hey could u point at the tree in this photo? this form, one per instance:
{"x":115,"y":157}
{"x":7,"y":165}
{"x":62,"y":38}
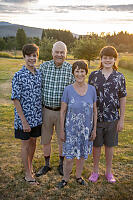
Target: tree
{"x":88,"y":49}
{"x":59,"y":35}
{"x":20,"y":38}
{"x":2,"y":44}
{"x":46,"y":49}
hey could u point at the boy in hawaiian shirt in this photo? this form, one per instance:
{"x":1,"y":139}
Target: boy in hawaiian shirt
{"x":26,"y":95}
{"x":111,"y":97}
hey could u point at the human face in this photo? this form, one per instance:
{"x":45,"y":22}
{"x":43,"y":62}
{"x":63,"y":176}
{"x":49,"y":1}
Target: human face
{"x":59,"y":54}
{"x":107,"y":61}
{"x":79,"y":75}
{"x":30,"y":60}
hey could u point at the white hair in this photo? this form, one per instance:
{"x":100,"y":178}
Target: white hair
{"x":59,"y":43}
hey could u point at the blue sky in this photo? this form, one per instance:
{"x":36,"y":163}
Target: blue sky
{"x":78,"y":16}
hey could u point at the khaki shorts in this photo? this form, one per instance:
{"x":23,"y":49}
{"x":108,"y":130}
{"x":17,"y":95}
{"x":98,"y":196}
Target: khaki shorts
{"x":51,"y":121}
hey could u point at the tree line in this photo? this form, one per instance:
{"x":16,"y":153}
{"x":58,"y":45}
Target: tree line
{"x":83,"y":47}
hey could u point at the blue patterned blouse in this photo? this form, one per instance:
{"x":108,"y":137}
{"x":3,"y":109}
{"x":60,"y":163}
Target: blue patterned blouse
{"x":26,"y":87}
{"x":109,"y":92}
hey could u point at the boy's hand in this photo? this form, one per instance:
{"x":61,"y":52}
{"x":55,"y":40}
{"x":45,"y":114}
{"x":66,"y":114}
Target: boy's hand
{"x":93,"y":135}
{"x":62,"y":136}
{"x":26,"y":127}
{"x":120,"y":125}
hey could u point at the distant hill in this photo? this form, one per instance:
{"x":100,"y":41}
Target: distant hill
{"x":8,"y":29}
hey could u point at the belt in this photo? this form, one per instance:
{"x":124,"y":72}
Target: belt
{"x":54,"y":109}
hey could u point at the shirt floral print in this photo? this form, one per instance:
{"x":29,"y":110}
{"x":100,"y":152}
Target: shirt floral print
{"x":109,"y":91}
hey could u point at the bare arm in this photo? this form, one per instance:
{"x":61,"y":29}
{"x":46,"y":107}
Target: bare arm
{"x":93,"y":134}
{"x":120,"y":124}
{"x":26,"y":127}
{"x":62,"y":120}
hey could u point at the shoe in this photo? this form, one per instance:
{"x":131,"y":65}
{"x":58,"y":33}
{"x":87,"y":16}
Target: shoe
{"x":32,"y":182}
{"x":81,"y":181}
{"x":60,"y":169}
{"x":110,"y":178}
{"x":43,"y":171}
{"x":62,"y":184}
{"x":94,"y":176}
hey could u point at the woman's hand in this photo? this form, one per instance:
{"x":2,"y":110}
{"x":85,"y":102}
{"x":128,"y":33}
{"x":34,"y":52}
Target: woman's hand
{"x":93,"y":135}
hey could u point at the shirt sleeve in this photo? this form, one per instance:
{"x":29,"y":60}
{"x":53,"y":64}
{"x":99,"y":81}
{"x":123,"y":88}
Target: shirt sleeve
{"x":95,"y":95}
{"x":65,"y":95}
{"x":122,"y":91}
{"x":42,"y":77}
{"x":16,"y":87}
{"x":90,"y":78}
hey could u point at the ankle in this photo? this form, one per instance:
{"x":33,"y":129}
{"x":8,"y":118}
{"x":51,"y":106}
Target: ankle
{"x":47,"y":158}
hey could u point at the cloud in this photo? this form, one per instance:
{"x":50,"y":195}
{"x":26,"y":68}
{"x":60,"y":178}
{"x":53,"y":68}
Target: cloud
{"x":62,"y":9}
{"x":17,"y":1}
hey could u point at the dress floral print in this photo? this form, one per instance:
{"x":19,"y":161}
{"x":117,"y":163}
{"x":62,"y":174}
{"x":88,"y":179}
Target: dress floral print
{"x":78,"y":122}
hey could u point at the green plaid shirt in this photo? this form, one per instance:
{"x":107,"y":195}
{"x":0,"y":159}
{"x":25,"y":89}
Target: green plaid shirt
{"x":54,"y":80}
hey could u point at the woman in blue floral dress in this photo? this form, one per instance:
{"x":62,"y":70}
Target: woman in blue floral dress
{"x":78,"y":122}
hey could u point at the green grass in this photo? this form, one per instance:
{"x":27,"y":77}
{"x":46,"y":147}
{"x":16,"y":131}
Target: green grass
{"x":12,"y":185}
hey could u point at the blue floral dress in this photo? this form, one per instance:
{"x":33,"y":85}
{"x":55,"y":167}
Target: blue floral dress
{"x":78,"y":122}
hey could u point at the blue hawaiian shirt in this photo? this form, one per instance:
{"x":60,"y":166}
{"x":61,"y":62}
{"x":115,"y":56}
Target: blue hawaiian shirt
{"x":26,"y":87}
{"x":109,"y":91}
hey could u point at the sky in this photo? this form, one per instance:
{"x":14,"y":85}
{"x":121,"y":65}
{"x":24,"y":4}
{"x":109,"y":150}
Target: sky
{"x":78,"y":16}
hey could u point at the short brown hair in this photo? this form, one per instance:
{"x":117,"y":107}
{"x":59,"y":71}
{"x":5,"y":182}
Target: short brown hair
{"x":80,"y":65}
{"x":29,"y":49}
{"x":109,"y":51}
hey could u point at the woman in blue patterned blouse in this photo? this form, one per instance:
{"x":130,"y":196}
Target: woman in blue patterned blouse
{"x":78,"y":118}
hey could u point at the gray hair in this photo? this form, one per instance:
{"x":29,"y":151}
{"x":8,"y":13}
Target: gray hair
{"x":59,"y":43}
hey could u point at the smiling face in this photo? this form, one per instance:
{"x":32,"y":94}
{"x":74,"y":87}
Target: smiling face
{"x":30,"y":60}
{"x":107,"y":61}
{"x":79,"y":75}
{"x":59,"y":53}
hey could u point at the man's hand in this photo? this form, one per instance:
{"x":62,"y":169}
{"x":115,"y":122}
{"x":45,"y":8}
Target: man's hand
{"x":62,"y":136}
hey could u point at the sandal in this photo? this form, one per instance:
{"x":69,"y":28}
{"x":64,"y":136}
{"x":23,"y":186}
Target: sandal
{"x":110,"y":178}
{"x":81,"y":181}
{"x":62,"y":184}
{"x":32,"y":182}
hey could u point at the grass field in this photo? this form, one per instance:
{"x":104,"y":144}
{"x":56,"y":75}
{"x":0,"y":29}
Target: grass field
{"x":12,"y":184}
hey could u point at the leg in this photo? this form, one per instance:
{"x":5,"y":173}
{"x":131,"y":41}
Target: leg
{"x":79,"y":167}
{"x":32,"y":148}
{"x":67,"y":168}
{"x":109,"y":156}
{"x":25,"y":158}
{"x":96,"y":158}
{"x":46,"y":168}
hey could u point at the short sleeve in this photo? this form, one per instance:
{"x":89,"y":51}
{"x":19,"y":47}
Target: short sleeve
{"x":90,"y":77}
{"x":65,"y":95}
{"x":16,"y":87}
{"x":122,"y":92}
{"x":95,"y":95}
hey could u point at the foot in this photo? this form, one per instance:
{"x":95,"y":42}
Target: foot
{"x":62,"y":184}
{"x":110,"y":178}
{"x":31,"y":181}
{"x":43,"y":171}
{"x":81,"y":181}
{"x":94,"y":177}
{"x":60,"y":169}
